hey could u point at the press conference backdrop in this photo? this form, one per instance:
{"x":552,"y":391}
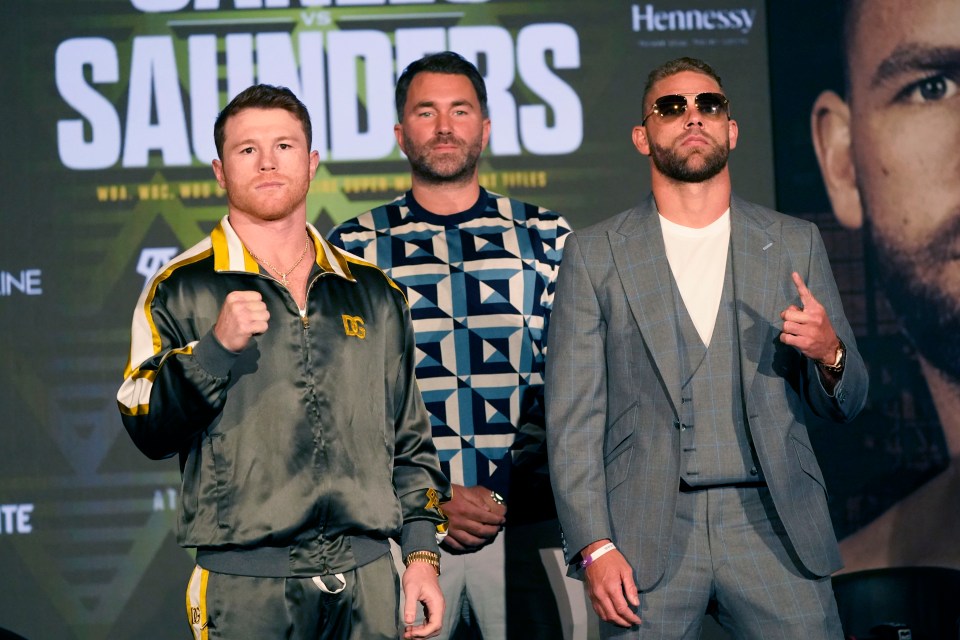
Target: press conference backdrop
{"x":107,"y":115}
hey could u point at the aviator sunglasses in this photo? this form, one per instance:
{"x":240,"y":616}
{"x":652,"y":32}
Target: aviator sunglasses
{"x":670,"y":106}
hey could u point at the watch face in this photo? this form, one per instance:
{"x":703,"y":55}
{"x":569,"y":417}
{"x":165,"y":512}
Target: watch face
{"x":838,"y":360}
{"x":837,"y":364}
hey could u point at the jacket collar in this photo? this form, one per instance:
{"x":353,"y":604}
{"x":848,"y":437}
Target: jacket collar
{"x":229,"y":253}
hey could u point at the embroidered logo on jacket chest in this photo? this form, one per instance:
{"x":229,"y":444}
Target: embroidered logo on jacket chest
{"x":353,"y":326}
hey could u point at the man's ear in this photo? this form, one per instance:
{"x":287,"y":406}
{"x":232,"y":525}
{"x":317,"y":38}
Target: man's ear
{"x":218,"y":173}
{"x":640,"y":139}
{"x":830,"y":126}
{"x":733,"y":133}
{"x":398,"y":134}
{"x":314,"y":163}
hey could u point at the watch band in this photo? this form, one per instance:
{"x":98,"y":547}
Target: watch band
{"x":429,"y":557}
{"x":837,"y":365}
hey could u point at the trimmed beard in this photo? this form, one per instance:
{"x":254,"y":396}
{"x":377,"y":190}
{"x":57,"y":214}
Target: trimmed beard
{"x":446,"y":170}
{"x":678,"y":168}
{"x":928,"y":312}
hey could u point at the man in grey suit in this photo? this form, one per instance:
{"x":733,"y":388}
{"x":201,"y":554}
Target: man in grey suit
{"x":688,"y":336}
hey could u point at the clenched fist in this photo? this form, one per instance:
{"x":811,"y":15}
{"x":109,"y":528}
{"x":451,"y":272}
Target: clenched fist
{"x":243,"y":315}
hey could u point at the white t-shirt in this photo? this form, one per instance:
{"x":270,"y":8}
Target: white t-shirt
{"x":698,"y":260}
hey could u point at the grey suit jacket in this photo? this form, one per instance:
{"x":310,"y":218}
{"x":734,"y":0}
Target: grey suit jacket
{"x":613,"y":383}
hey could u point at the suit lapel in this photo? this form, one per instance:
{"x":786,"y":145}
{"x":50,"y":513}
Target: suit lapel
{"x":641,"y":259}
{"x":757,"y":251}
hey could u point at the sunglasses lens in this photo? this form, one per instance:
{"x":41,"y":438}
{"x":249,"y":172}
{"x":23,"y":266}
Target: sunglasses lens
{"x":670,"y":105}
{"x":711,"y":103}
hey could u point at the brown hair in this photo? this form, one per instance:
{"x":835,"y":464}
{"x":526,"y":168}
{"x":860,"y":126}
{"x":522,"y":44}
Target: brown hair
{"x":673,"y":67}
{"x":262,"y":96}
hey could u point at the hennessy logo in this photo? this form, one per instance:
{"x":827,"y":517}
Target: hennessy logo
{"x":650,"y":20}
{"x":353,"y":326}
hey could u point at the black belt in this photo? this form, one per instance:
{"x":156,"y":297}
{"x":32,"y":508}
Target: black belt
{"x":689,"y":488}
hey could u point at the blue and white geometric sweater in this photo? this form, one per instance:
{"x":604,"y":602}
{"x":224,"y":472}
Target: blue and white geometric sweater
{"x":480,"y":285}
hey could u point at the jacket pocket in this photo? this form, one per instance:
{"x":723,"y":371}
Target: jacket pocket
{"x":808,"y":461}
{"x":618,"y":448}
{"x":220,"y":475}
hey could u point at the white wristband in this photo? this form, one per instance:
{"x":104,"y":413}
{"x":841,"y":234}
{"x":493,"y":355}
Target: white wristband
{"x":590,"y":559}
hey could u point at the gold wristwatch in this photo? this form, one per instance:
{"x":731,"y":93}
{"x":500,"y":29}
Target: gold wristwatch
{"x":838,"y":361}
{"x":429,"y":557}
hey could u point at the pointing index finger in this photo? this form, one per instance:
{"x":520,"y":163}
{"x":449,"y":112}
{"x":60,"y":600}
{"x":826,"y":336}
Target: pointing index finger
{"x":805,"y":295}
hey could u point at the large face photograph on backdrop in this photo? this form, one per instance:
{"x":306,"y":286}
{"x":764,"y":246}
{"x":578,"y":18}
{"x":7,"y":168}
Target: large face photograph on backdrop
{"x":866,"y":148}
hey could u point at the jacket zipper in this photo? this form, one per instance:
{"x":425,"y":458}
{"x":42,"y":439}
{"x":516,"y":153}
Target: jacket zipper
{"x":304,"y":318}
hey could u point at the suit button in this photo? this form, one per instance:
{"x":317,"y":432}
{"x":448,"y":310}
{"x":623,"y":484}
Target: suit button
{"x":753,"y":471}
{"x":841,"y":395}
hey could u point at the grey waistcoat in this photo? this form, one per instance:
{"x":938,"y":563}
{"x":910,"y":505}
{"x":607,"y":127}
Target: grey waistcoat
{"x":715,"y":445}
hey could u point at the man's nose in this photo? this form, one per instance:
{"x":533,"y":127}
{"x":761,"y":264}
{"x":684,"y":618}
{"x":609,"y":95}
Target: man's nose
{"x":268,"y":161}
{"x":691,"y":117}
{"x":444,"y":123}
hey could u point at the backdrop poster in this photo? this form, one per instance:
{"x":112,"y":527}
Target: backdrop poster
{"x":108,"y":118}
{"x":891,"y":473}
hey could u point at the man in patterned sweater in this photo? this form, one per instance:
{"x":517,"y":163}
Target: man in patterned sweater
{"x":479,"y":271}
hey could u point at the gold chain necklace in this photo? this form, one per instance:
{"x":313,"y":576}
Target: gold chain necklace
{"x":283,"y":274}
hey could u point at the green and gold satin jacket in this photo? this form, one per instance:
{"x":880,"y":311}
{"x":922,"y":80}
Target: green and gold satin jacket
{"x":304,"y":453}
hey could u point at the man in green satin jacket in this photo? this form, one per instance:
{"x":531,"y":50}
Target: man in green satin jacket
{"x":281,"y":371}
